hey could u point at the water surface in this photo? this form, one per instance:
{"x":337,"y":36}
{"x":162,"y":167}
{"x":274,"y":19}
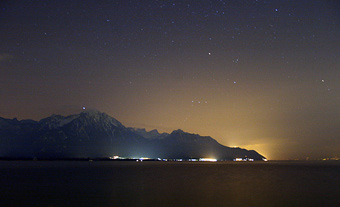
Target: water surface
{"x":80,"y":183}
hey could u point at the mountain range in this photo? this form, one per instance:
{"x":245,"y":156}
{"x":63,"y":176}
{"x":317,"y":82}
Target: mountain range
{"x":96,"y":134}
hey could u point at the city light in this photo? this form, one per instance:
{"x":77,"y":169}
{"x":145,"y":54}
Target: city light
{"x":207,"y":160}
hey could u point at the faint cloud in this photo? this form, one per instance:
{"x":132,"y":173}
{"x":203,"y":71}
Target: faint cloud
{"x":5,"y":57}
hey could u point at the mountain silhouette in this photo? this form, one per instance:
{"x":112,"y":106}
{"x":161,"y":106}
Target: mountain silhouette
{"x":96,"y":134}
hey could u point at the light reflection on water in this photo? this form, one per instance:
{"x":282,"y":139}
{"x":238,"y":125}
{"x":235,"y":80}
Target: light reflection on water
{"x":77,"y":183}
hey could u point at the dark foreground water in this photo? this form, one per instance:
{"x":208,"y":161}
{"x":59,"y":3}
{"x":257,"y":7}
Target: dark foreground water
{"x":80,"y":183}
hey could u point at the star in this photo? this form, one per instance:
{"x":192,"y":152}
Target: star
{"x":236,"y":60}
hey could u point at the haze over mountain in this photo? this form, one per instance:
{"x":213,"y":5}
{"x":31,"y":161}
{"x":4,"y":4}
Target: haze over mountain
{"x":95,"y":134}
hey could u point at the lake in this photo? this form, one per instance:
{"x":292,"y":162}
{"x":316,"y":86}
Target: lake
{"x":104,"y":183}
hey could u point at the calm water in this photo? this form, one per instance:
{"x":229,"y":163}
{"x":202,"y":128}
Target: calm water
{"x":79,"y":183}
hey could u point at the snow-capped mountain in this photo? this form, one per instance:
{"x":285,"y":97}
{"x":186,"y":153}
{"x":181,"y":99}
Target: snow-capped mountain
{"x":96,"y":134}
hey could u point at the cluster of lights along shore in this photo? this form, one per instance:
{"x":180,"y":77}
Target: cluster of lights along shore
{"x":141,"y":159}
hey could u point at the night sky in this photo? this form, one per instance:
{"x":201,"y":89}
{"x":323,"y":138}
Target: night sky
{"x":262,"y":75}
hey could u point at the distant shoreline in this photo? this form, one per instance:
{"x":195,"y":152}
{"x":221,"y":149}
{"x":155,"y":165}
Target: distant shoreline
{"x":157,"y":160}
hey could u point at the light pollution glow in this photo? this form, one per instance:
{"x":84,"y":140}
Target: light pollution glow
{"x":260,"y":75}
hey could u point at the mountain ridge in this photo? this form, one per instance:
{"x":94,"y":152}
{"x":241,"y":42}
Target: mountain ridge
{"x":96,"y":134}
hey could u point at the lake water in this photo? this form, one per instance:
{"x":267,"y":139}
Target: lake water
{"x":81,"y":183}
